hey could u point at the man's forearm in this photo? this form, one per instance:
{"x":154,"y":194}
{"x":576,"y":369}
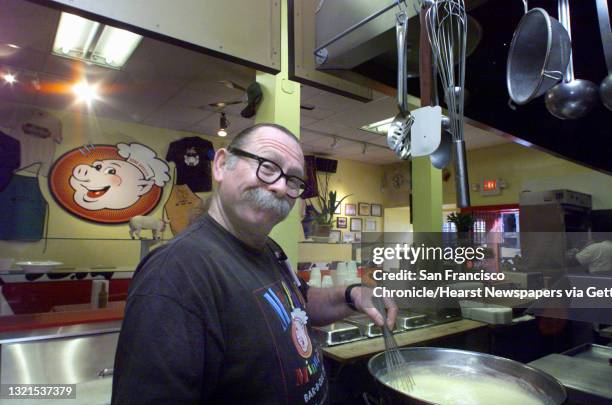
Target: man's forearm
{"x":327,"y":305}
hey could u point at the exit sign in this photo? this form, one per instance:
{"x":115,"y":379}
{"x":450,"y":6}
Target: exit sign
{"x":490,"y":187}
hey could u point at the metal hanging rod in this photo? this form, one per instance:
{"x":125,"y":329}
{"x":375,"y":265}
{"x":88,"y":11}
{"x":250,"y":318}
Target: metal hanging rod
{"x":359,"y":24}
{"x":344,"y":138}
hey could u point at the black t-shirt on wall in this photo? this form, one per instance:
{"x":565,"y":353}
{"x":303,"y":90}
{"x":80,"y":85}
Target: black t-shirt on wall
{"x":192,"y":157}
{"x":210,"y":320}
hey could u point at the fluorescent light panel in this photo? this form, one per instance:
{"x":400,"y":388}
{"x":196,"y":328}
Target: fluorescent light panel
{"x":380,"y":127}
{"x":90,"y":41}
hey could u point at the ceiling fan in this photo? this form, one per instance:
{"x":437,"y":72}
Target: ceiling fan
{"x":252,"y":97}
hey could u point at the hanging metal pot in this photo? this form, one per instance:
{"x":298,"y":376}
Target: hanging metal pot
{"x":572,"y":98}
{"x":538,"y":57}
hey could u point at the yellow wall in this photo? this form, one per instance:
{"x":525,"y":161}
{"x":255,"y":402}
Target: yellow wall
{"x":364,"y":182}
{"x":324,"y":252}
{"x":529,"y":169}
{"x":64,"y":228}
{"x":398,"y":219}
{"x":361,"y":180}
{"x":396,"y":185}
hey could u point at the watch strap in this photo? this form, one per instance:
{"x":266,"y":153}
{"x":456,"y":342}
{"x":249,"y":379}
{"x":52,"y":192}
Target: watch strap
{"x":347,"y":296}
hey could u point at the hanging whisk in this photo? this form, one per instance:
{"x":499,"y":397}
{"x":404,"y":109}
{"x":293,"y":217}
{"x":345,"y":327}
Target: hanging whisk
{"x":398,"y":374}
{"x":447,"y":32}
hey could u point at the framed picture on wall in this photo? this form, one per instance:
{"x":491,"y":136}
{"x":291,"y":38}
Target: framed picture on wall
{"x":335,"y":236}
{"x":356,"y":224}
{"x":364,"y":209}
{"x":338,"y":210}
{"x":341,"y":222}
{"x":370,"y":225}
{"x":350,"y":209}
{"x":347,"y":237}
{"x":376,"y":210}
{"x":356,"y":237}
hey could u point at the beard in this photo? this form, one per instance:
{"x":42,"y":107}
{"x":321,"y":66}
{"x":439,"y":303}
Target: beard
{"x":266,"y":200}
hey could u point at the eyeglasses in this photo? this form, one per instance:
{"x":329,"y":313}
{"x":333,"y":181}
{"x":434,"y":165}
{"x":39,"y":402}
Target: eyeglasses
{"x":270,"y":172}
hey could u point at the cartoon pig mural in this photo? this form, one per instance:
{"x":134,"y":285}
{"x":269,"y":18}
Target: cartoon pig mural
{"x":118,"y":184}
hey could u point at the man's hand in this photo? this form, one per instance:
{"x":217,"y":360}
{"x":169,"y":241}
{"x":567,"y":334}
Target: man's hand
{"x":362,"y":298}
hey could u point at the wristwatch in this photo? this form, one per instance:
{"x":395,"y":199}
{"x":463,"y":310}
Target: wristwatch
{"x":347,"y":296}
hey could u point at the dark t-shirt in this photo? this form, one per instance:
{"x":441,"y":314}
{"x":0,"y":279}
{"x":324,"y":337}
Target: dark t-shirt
{"x":9,"y":158}
{"x":192,"y":157}
{"x":210,"y":320}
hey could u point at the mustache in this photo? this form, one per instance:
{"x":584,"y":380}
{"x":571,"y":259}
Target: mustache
{"x":266,"y":200}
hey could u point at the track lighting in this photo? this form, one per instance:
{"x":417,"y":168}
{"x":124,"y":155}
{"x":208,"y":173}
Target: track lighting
{"x":223,"y":124}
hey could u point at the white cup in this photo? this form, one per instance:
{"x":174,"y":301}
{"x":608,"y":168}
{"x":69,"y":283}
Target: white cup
{"x":315,"y":277}
{"x":352,"y":268}
{"x":327,"y":282}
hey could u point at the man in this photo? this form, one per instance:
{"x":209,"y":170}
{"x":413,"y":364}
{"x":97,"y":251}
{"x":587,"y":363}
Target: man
{"x":216,"y":316}
{"x":596,"y":255}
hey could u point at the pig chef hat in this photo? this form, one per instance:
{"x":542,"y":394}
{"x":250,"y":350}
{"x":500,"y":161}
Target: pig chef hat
{"x":146,"y":161}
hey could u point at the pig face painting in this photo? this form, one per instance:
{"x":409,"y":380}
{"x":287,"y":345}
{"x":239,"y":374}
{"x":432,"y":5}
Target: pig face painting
{"x":299,"y":333}
{"x":113,"y":184}
{"x":109,"y":183}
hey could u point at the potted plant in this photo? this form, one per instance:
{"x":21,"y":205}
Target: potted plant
{"x":328,"y":203}
{"x":463,"y":222}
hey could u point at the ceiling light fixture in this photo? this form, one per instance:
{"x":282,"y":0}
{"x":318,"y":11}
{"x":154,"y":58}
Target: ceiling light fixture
{"x":85,"y":92}
{"x":90,"y":41}
{"x":9,"y":78}
{"x":13,"y":46}
{"x":223,"y":124}
{"x":334,"y":143}
{"x":379,"y":127}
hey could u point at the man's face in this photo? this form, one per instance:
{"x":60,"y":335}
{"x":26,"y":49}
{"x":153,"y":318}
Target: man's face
{"x":248,"y":200}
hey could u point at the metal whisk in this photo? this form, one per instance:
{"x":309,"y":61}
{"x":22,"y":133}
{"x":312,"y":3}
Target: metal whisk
{"x":447,"y":32}
{"x":398,"y":372}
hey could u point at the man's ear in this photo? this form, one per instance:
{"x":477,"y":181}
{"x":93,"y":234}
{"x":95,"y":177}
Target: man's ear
{"x":144,"y":186}
{"x":220,"y":163}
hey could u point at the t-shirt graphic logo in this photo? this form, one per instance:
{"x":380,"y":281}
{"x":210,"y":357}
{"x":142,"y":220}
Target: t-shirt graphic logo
{"x":300,"y":359}
{"x":191,"y":157}
{"x":299,"y":333}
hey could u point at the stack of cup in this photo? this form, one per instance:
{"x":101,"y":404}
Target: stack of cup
{"x":327,"y":282}
{"x":340,"y":274}
{"x":315,"y":277}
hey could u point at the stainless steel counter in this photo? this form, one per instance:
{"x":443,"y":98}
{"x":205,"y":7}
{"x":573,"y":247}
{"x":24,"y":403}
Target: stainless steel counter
{"x":584,"y":371}
{"x":77,"y":354}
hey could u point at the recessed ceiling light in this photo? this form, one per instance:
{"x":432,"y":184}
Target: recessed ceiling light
{"x":85,"y":92}
{"x":9,"y":78}
{"x":92,"y":42}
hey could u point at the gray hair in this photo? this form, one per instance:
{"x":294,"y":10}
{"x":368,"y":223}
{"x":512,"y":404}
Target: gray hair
{"x":242,"y":138}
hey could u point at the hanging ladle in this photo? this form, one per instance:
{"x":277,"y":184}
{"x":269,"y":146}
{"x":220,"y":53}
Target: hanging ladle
{"x":572,"y":98}
{"x":605,"y":89}
{"x":398,"y":134}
